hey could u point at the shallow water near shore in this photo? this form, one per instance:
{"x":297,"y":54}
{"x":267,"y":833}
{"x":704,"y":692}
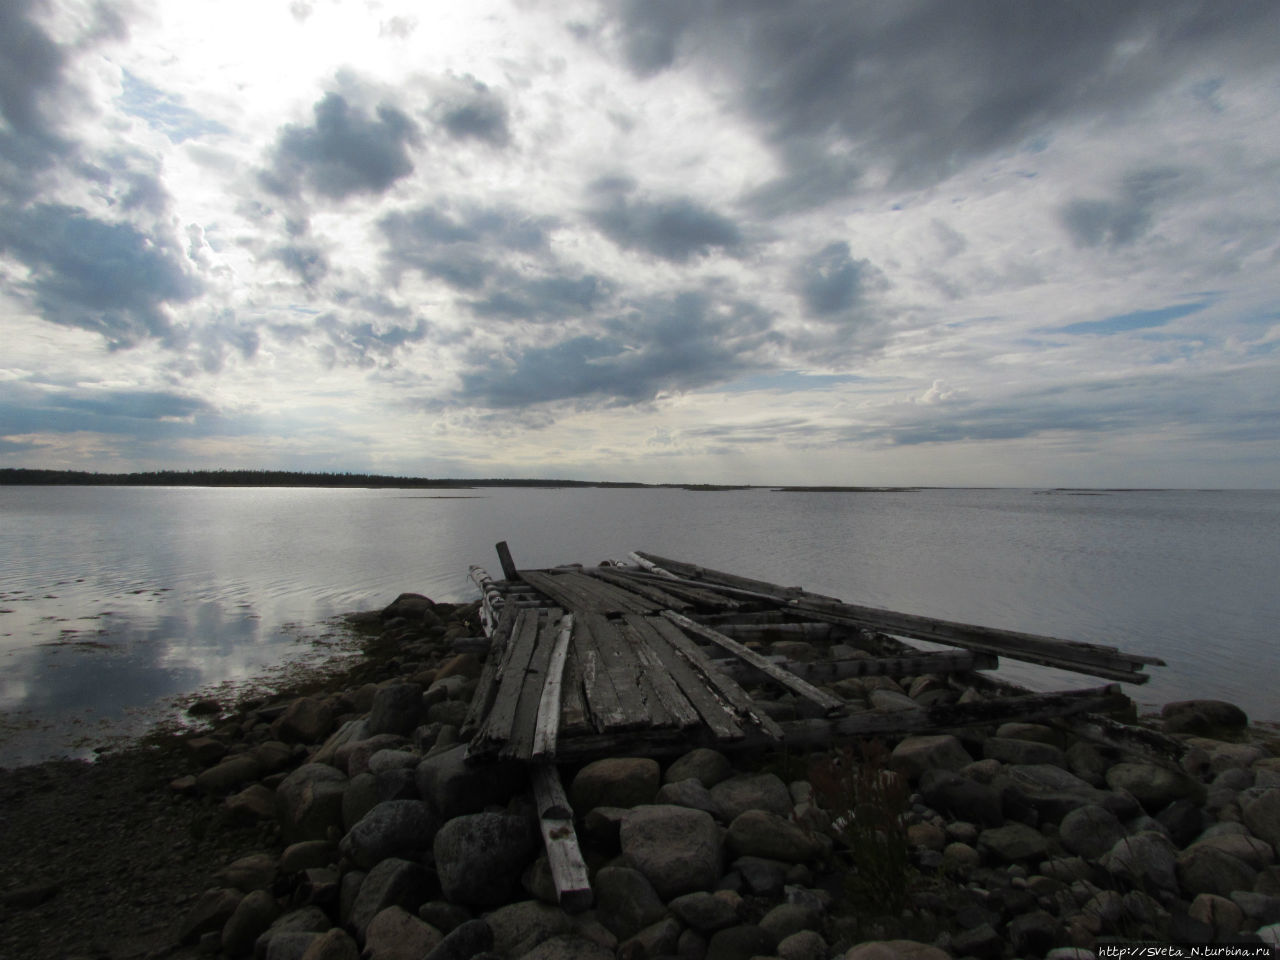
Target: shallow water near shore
{"x":113,"y":599}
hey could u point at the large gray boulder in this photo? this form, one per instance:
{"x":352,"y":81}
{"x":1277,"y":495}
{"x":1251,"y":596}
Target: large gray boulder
{"x":1012,"y":843}
{"x":961,"y":797}
{"x":758,"y":833}
{"x":1145,"y":860}
{"x":1155,"y":787}
{"x":453,"y":787}
{"x":403,"y":828}
{"x":392,"y":883}
{"x":615,"y":782}
{"x":761,"y":791}
{"x":309,"y":802}
{"x":676,"y":848}
{"x":1051,"y":790}
{"x":396,"y":934}
{"x":397,"y":708}
{"x":1090,"y":831}
{"x":1203,"y":717}
{"x":481,"y":856}
{"x":1262,"y":817}
{"x":626,"y":902}
{"x":914,"y":755}
{"x":1206,"y":869}
{"x":703,"y":764}
{"x":521,"y":926}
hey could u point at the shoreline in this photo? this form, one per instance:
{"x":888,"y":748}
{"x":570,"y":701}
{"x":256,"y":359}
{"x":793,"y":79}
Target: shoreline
{"x":264,"y":817}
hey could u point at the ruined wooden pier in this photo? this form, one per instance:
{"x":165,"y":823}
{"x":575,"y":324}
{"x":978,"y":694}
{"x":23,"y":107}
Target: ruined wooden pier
{"x":656,"y":656}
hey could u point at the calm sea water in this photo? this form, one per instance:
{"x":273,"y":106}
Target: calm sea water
{"x":113,"y":599}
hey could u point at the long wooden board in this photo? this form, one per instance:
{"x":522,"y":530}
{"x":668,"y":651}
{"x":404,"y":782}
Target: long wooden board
{"x":581,"y":593}
{"x":826,"y":671}
{"x":496,"y":729}
{"x":624,"y":670}
{"x":1089,"y":658}
{"x":657,"y":682}
{"x":715,"y":713}
{"x":725,"y":686}
{"x":792,"y":682}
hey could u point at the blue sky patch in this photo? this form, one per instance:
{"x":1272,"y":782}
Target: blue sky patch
{"x":1138,"y":320}
{"x":163,"y":112}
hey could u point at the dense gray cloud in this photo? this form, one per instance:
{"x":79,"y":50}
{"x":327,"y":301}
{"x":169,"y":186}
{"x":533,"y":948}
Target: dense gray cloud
{"x":31,"y":75}
{"x":107,"y":277}
{"x":923,"y":89}
{"x":555,"y":297}
{"x":459,"y":247}
{"x":306,"y":261}
{"x":1123,"y":219}
{"x":345,"y":151}
{"x":662,"y":344}
{"x":472,"y":111}
{"x":138,"y":413}
{"x":831,"y":282}
{"x":674,"y":228}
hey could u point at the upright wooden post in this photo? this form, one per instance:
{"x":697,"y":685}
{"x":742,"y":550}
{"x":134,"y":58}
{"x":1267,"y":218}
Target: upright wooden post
{"x":509,"y":571}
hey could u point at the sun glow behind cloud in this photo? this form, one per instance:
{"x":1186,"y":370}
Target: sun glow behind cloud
{"x":827,"y":243}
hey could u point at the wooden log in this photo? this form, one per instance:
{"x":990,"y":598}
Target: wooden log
{"x":491,"y":598}
{"x":547,"y":729}
{"x":509,"y":569}
{"x":685,"y":589}
{"x":806,"y":630}
{"x":790,"y":681}
{"x":725,"y":687}
{"x":555,"y":820}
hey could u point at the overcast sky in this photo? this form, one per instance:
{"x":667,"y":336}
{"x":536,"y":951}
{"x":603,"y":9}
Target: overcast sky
{"x":942,"y":242}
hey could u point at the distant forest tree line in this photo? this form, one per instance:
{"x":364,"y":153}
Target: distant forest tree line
{"x":271,"y":478}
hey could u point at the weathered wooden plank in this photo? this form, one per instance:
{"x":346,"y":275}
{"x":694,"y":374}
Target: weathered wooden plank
{"x":656,"y":595}
{"x":597,"y":682}
{"x":574,"y":717}
{"x":775,"y":673}
{"x":1074,"y":655}
{"x":547,"y":728}
{"x":582,"y":593}
{"x":825,"y":671}
{"x":695,"y":594}
{"x":501,"y":716}
{"x":695,"y":572}
{"x":727,"y":689}
{"x":624,"y":669}
{"x":509,"y":569}
{"x":657,"y":681}
{"x":520,"y":745}
{"x":487,"y":685}
{"x":555,"y":819}
{"x":714,"y":711}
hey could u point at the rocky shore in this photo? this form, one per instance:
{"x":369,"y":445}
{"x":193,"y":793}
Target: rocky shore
{"x":343,"y":823}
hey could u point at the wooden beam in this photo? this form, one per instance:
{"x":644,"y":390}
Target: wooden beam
{"x":723,"y":686}
{"x":795,"y":684}
{"x":555,"y":819}
{"x":695,"y":572}
{"x":509,"y":569}
{"x":826,"y":671}
{"x":548,"y":723}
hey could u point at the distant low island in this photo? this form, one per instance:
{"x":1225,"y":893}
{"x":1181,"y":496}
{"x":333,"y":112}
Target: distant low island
{"x":293,"y":478}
